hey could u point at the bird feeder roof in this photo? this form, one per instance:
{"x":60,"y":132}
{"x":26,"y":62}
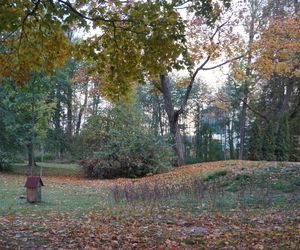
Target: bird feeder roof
{"x":33,"y":182}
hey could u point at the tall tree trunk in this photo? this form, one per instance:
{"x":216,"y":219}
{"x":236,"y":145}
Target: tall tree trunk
{"x":230,"y":138}
{"x":155,"y":115}
{"x":287,"y":94}
{"x":30,"y":145}
{"x":82,"y":109}
{"x":173,"y":119}
{"x":30,"y":155}
{"x":247,"y":82}
{"x":58,"y":152}
{"x":198,"y":136}
{"x":96,"y":101}
{"x":174,"y":129}
{"x":56,"y":121}
{"x":225,"y":138}
{"x":161,"y":126}
{"x":69,"y":121}
{"x":243,"y":126}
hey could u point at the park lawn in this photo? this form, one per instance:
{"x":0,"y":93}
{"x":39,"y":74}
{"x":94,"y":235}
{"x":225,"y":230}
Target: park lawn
{"x":49,"y":169}
{"x":232,"y":204}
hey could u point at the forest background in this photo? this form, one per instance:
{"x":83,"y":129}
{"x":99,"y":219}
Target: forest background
{"x":128,"y":100}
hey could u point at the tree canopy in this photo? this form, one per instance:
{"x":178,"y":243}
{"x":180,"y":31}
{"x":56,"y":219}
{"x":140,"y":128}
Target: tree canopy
{"x":137,"y":38}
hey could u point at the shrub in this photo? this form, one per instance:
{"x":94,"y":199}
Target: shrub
{"x":4,"y":161}
{"x":283,"y":186}
{"x":239,"y":182}
{"x":100,"y":168}
{"x":296,"y":181}
{"x":216,"y":175}
{"x":118,"y":144}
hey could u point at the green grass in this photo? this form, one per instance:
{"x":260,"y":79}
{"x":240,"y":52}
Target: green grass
{"x":63,"y":197}
{"x":49,"y":169}
{"x":56,"y":198}
{"x":222,"y":190}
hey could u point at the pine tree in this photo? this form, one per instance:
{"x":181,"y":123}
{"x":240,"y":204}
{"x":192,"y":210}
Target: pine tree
{"x":268,"y":143}
{"x":255,"y":145}
{"x":282,"y":147}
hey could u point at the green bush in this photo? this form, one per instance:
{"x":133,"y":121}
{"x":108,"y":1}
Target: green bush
{"x":242,"y":178}
{"x":46,"y":157}
{"x":239,"y":182}
{"x":216,"y":175}
{"x":5,"y":160}
{"x":283,"y":186}
{"x":296,"y":181}
{"x":118,"y":144}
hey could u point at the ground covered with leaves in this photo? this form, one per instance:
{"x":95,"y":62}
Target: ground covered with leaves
{"x":221,"y":205}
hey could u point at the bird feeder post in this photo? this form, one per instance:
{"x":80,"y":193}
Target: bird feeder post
{"x":34,"y":189}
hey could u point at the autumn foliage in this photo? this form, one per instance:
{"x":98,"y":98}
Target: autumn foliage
{"x":278,"y":48}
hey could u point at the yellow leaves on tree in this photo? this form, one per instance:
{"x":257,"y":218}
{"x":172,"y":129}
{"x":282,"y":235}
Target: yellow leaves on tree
{"x":30,"y":40}
{"x":124,"y":58}
{"x":278,"y":49}
{"x":33,"y":47}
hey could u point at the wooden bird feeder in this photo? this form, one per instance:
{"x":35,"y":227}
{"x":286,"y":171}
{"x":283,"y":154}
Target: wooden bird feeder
{"x":34,"y":188}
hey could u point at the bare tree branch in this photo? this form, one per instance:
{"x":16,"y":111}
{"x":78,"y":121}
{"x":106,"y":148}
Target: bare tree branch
{"x":248,"y":106}
{"x":201,"y":67}
{"x":223,"y":63}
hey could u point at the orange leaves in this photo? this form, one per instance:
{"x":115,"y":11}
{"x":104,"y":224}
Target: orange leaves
{"x":239,"y":73}
{"x":278,"y":48}
{"x":164,"y":229}
{"x":141,"y":226}
{"x":221,"y":40}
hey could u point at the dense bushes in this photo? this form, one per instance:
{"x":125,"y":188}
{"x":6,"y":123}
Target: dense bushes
{"x":4,"y":161}
{"x":118,"y":144}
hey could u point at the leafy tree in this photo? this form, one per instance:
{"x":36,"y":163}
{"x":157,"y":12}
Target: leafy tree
{"x":243,"y":72}
{"x":31,"y":38}
{"x":279,"y":45}
{"x":147,"y":37}
{"x":26,"y":48}
{"x":9,"y":143}
{"x":8,"y":131}
{"x":28,"y":112}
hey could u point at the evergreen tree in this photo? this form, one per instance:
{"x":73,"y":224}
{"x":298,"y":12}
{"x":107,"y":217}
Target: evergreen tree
{"x":268,"y":143}
{"x":294,"y":129}
{"x":282,"y":147}
{"x":255,"y":145}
